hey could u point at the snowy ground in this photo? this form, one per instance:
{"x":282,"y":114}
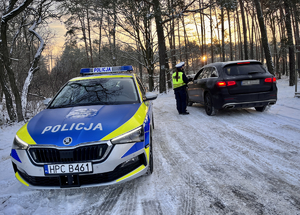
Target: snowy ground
{"x":237,"y":162}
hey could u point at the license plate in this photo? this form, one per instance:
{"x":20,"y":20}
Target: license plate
{"x":250,"y":82}
{"x":68,"y":168}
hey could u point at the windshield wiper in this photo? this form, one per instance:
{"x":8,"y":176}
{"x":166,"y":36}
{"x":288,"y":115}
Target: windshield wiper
{"x":62,"y":106}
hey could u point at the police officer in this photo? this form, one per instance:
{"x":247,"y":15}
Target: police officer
{"x":179,"y":85}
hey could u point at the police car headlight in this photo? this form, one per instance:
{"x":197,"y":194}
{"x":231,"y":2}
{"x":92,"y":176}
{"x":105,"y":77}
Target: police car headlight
{"x":19,"y":144}
{"x":135,"y":135}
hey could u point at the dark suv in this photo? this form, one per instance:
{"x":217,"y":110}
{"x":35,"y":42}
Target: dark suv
{"x":234,"y":84}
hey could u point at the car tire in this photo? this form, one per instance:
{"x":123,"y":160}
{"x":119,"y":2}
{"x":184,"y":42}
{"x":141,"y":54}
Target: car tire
{"x":152,"y":120}
{"x":209,"y":107}
{"x":261,"y":109}
{"x":150,"y":169}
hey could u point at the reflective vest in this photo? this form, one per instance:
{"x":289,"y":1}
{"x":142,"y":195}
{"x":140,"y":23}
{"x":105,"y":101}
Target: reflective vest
{"x":179,"y":82}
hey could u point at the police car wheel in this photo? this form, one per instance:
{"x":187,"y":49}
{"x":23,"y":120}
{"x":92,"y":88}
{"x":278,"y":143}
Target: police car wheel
{"x":152,"y":121}
{"x":150,"y":169}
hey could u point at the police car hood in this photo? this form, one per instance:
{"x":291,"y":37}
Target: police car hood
{"x":72,"y":126}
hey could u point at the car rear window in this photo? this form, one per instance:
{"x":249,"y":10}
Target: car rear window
{"x":243,"y":69}
{"x":100,"y":91}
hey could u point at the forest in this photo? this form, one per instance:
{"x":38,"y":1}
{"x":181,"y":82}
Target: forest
{"x":151,"y":35}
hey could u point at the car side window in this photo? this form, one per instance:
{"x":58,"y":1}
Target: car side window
{"x":198,"y":75}
{"x":214,"y":72}
{"x":205,"y":73}
{"x":208,"y":73}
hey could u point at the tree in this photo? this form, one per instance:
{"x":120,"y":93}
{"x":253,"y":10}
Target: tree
{"x":290,"y":42}
{"x":244,"y":29}
{"x":264,"y":37}
{"x":8,"y":15}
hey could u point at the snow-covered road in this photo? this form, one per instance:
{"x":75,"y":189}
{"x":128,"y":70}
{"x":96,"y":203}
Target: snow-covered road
{"x":237,"y":162}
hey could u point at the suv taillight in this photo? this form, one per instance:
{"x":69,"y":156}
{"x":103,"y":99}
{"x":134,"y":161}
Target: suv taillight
{"x":231,"y":83}
{"x":221,"y":84}
{"x":227,"y":83}
{"x":270,"y":80}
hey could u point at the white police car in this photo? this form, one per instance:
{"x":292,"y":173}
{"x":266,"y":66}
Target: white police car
{"x":96,"y":131}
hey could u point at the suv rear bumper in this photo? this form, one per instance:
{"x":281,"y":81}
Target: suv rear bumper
{"x":225,"y":100}
{"x":249,"y":104}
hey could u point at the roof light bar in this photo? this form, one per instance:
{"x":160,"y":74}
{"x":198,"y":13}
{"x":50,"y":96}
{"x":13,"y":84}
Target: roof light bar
{"x":97,"y":70}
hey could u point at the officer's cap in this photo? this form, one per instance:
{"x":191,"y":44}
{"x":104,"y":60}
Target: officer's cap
{"x":179,"y":65}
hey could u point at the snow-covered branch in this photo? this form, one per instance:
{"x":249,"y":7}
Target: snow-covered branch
{"x":34,"y":64}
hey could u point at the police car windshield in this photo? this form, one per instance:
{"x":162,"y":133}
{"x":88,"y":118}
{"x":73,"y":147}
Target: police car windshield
{"x":99,"y":91}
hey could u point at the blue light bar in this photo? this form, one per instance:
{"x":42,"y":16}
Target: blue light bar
{"x":97,"y":70}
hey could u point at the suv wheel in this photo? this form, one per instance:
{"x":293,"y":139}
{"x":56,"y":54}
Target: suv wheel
{"x":209,"y":108}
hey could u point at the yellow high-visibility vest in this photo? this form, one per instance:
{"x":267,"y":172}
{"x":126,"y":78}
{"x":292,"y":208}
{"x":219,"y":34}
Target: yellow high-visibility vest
{"x":179,"y":82}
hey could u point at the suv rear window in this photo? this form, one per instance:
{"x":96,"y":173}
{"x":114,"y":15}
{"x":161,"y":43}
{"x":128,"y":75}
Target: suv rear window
{"x":100,"y":91}
{"x":244,"y":69}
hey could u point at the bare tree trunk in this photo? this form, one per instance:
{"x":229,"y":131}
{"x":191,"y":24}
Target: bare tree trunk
{"x":211,"y":37}
{"x":185,"y":45}
{"x":204,"y":36}
{"x":218,"y":31}
{"x":198,"y":35}
{"x":244,"y":29}
{"x":179,"y":45}
{"x":230,"y":39}
{"x":5,"y":90}
{"x":252,"y":36}
{"x":100,"y":36}
{"x":235,"y":38}
{"x":222,"y":33}
{"x":161,"y":46}
{"x":297,"y":37}
{"x":264,"y":37}
{"x":290,"y":42}
{"x":139,"y":61}
{"x":273,"y":29}
{"x":239,"y":36}
{"x":171,"y":37}
{"x":89,"y":33}
{"x":114,"y":35}
{"x":248,"y":27}
{"x":283,"y":43}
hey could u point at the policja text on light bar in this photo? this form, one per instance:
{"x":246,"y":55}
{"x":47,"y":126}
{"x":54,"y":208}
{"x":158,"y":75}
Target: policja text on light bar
{"x":97,"y":70}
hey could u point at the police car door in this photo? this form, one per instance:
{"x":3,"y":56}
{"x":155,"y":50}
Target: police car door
{"x":193,"y":88}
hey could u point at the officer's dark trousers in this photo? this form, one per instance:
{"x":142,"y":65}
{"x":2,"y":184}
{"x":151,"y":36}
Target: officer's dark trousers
{"x":180,"y":96}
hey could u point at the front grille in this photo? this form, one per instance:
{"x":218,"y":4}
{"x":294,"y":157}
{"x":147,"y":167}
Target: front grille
{"x":89,"y":179}
{"x":54,"y":155}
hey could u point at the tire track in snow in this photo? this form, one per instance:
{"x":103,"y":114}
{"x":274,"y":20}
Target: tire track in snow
{"x":128,"y":201}
{"x":151,"y":207}
{"x":236,"y":145}
{"x":107,"y":205}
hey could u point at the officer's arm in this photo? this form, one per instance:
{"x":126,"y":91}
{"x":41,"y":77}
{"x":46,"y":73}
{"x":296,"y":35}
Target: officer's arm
{"x":184,"y":78}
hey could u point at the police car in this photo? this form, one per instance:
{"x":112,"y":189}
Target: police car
{"x":96,"y":131}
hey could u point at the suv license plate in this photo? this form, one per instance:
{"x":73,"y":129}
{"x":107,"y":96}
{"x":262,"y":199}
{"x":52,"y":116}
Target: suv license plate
{"x":250,"y":82}
{"x":68,"y":168}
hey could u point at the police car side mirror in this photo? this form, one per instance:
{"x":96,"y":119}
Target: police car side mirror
{"x":47,"y":101}
{"x":150,"y":96}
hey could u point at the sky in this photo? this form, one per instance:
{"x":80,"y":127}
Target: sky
{"x":237,"y":162}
